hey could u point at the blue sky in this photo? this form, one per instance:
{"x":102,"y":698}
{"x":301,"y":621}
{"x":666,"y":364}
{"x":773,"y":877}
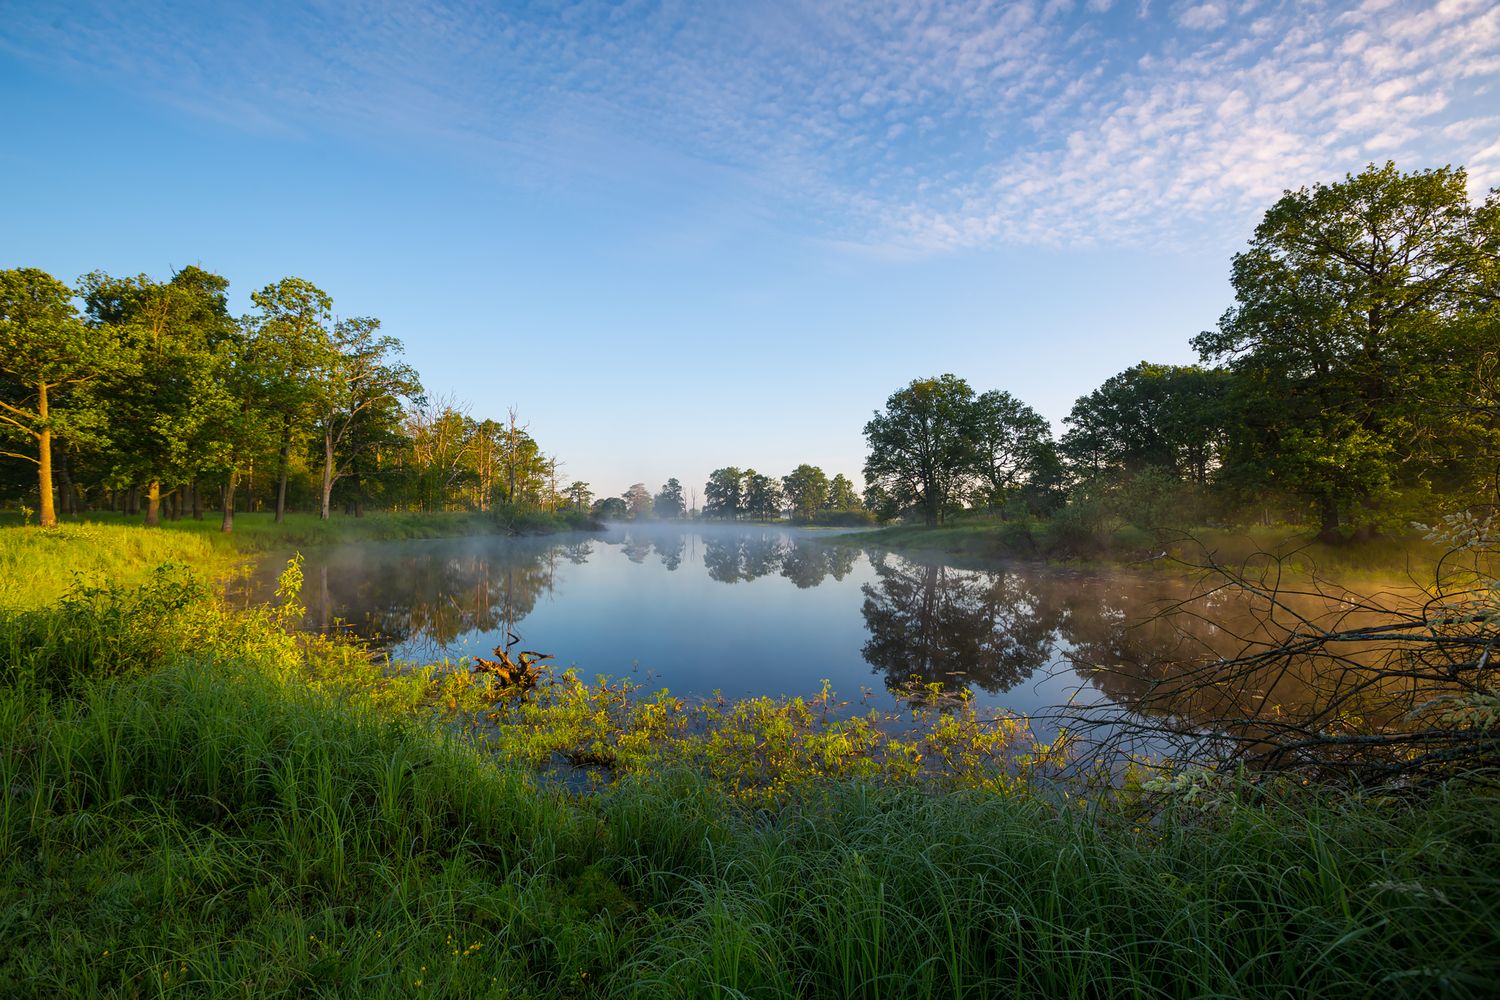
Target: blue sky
{"x":684,"y":235}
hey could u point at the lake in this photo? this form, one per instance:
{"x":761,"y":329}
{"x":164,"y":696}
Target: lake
{"x":768,"y":610}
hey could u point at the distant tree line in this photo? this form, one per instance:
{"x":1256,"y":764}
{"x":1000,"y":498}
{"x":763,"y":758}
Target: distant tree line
{"x":805,"y":496}
{"x":1352,"y":386}
{"x":137,"y":395}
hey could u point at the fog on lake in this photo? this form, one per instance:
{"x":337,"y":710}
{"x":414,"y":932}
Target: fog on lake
{"x":768,"y":610}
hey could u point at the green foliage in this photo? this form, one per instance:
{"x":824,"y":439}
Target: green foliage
{"x":722,"y":496}
{"x":46,"y":352}
{"x":1352,"y":337}
{"x":938,"y":445}
{"x":806,"y":489}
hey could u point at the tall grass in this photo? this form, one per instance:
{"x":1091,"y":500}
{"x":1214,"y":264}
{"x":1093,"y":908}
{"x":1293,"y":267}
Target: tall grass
{"x":39,"y":566}
{"x":198,"y":804}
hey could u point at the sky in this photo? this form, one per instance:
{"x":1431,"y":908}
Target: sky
{"x":678,"y":236}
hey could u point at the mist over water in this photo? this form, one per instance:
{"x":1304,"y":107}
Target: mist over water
{"x":771,"y":610}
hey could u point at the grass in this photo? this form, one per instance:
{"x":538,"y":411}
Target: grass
{"x":37,"y":567}
{"x":198,"y":803}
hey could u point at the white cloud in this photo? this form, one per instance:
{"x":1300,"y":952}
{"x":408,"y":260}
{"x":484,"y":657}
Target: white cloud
{"x":1203,"y":16}
{"x":919,"y":124}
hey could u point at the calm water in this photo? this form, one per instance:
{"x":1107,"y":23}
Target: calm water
{"x":770,"y":610}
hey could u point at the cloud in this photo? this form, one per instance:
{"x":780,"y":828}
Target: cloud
{"x":1203,"y":17}
{"x":900,"y":125}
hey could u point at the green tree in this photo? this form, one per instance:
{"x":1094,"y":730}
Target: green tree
{"x":922,"y":447}
{"x":761,"y":496}
{"x":45,"y":351}
{"x":1352,"y":301}
{"x":806,"y":489}
{"x":722,"y":496}
{"x":841,"y":495}
{"x":1161,"y":417}
{"x":295,"y":349}
{"x":1012,"y":445}
{"x":363,"y":384}
{"x":160,"y":410}
{"x":579,"y":494}
{"x":669,"y":503}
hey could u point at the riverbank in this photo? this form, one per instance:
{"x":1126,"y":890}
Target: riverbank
{"x":204,"y":803}
{"x":40,"y":566}
{"x":1405,"y":556}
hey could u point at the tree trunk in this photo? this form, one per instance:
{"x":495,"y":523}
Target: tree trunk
{"x":47,"y":513}
{"x":175,"y":511}
{"x":69,"y":495}
{"x":196,"y":493}
{"x":132,"y":501}
{"x":327,"y":471}
{"x":1329,"y":514}
{"x":283,"y":461}
{"x":227,"y":525}
{"x":153,"y":503}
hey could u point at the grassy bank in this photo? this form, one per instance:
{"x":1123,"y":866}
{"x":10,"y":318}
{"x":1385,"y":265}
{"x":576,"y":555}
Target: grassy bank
{"x":200,"y":803}
{"x":985,"y":540}
{"x":37,"y":567}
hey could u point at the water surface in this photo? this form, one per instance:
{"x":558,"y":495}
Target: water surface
{"x":749,"y":610}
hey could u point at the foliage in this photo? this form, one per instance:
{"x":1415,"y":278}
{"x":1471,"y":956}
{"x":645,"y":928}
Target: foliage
{"x":938,"y":444}
{"x":922,"y":446}
{"x":669,"y":503}
{"x":44,"y":352}
{"x":806,"y":489}
{"x":1352,"y":334}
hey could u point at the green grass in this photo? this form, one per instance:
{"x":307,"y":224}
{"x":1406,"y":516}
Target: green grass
{"x":198,"y":803}
{"x":37,"y":566}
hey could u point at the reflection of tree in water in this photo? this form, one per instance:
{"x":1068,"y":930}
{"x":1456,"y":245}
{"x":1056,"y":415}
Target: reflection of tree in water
{"x":732,"y":558}
{"x":808,"y":565}
{"x":577,"y":553}
{"x":934,"y":623}
{"x":435,"y":594}
{"x":636,"y":549}
{"x":671,"y":549}
{"x":1135,"y":641}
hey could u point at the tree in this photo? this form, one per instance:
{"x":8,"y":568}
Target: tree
{"x":1160,"y":417}
{"x":45,"y":350}
{"x":922,"y":446}
{"x":294,"y":347}
{"x":841,"y":495}
{"x":806,"y":489}
{"x":579,"y":494}
{"x":669,"y":502}
{"x":361,"y":381}
{"x":638,"y":501}
{"x":171,"y":331}
{"x":1352,"y":304}
{"x":762,"y":496}
{"x":722,"y":495}
{"x":1012,"y":444}
{"x":611,"y":509}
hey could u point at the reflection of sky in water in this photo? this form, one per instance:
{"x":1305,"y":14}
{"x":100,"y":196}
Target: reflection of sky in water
{"x":749,"y":610}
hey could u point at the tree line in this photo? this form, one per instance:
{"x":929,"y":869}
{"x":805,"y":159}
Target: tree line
{"x":805,"y":495}
{"x":1352,"y":386}
{"x":128,"y":393}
